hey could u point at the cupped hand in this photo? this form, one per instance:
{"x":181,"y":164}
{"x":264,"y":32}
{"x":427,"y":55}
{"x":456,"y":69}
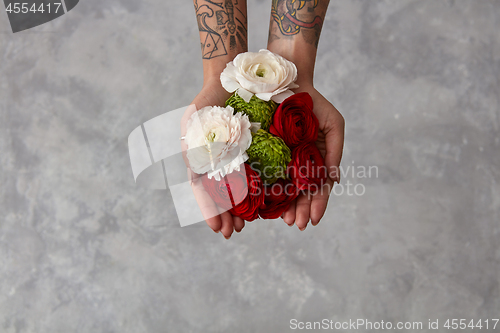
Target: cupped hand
{"x":312,"y":206}
{"x":212,"y":94}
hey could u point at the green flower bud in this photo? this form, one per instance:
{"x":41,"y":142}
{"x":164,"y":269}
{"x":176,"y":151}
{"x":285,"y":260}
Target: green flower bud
{"x":270,"y":155}
{"x":258,"y":111}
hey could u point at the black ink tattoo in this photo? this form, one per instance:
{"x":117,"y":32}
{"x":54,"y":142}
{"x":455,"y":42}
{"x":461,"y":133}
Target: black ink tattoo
{"x":240,"y":38}
{"x":232,"y":42}
{"x":242,"y":29}
{"x":220,"y":26}
{"x":212,"y":45}
{"x":218,"y":4}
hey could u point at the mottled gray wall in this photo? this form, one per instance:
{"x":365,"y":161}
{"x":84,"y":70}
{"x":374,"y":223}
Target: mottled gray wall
{"x":82,"y":249}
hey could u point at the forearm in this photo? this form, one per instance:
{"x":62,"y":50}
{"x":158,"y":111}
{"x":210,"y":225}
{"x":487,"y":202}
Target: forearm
{"x":223,"y":33}
{"x":294,"y":32}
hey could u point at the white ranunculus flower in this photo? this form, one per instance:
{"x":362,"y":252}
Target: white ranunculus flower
{"x":217,"y":140}
{"x":263,"y":74}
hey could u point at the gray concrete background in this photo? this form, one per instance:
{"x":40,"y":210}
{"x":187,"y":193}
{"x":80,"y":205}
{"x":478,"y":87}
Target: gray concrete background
{"x":82,"y":249}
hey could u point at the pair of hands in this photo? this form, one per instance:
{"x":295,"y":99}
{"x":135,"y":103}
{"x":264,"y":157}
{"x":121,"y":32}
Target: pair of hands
{"x":306,"y":207}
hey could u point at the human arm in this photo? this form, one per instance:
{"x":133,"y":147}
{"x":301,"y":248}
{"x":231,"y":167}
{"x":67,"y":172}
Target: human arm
{"x":294,"y":32}
{"x":222,"y":27}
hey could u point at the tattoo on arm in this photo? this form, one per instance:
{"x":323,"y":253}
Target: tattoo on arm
{"x":293,"y":17}
{"x":222,"y":26}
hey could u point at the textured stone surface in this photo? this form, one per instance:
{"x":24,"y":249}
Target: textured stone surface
{"x":82,"y":249}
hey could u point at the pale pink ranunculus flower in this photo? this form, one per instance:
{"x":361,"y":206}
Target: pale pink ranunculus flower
{"x":263,"y":74}
{"x":217,"y":140}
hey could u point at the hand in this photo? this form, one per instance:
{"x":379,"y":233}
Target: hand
{"x":211,"y":94}
{"x":330,"y":143}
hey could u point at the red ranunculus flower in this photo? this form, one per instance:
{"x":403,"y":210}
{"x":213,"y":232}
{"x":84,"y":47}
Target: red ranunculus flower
{"x":294,"y":120}
{"x":307,"y":168}
{"x":277,"y":198}
{"x":239,"y":192}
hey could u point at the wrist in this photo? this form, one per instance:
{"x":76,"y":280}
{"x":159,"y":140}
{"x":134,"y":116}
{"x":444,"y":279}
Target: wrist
{"x":212,"y":68}
{"x":213,"y":83}
{"x":303,"y":86}
{"x":301,"y":55}
{"x":213,"y":87}
{"x":304,"y":82}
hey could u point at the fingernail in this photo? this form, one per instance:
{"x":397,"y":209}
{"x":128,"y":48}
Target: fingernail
{"x":216,"y":231}
{"x":302,"y":229}
{"x":290,"y":225}
{"x":227,"y":237}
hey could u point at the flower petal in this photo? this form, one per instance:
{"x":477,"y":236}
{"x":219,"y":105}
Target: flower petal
{"x":229,"y":83}
{"x":255,"y":127}
{"x":281,"y":97}
{"x":264,"y":96}
{"x":245,"y":94}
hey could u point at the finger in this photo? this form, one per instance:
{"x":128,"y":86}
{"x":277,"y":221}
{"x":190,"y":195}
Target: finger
{"x":319,"y":202}
{"x":239,"y":223}
{"x":207,"y":206}
{"x":289,"y":214}
{"x":214,"y":223}
{"x":334,"y":139}
{"x":334,"y":142}
{"x":227,"y":225}
{"x":302,"y":210}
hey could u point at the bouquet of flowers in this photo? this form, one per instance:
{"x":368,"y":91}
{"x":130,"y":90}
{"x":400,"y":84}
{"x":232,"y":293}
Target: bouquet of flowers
{"x":258,"y":152}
